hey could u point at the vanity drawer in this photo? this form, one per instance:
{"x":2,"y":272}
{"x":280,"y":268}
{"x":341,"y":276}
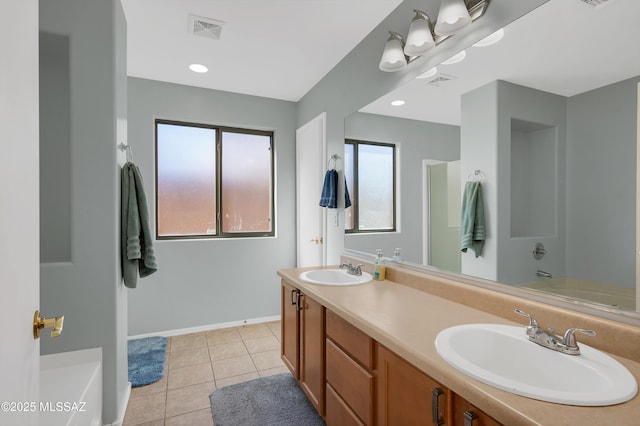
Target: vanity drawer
{"x":350,"y":381}
{"x":338,"y":412}
{"x":350,"y":339}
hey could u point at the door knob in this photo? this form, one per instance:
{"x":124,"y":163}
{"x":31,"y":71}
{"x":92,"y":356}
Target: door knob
{"x":39,"y":323}
{"x":317,"y":240}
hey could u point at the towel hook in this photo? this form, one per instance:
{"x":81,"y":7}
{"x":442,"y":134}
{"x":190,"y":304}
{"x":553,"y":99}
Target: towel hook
{"x":333,"y":157}
{"x":475,"y":176}
{"x":127,"y":149}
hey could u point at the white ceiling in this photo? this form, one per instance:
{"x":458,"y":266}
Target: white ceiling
{"x":272,"y":48}
{"x":563,"y":47}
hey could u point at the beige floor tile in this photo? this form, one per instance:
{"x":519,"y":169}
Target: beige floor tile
{"x":188,"y":341}
{"x":188,"y":399}
{"x":272,"y":371}
{"x":188,"y":357}
{"x":267,"y":360}
{"x":145,"y":408}
{"x":227,"y":350}
{"x":226,"y":368}
{"x":236,"y":379}
{"x":254,"y":330}
{"x":159,"y":386}
{"x":191,"y":375}
{"x":223,"y":335}
{"x":159,"y":422}
{"x":262,"y":344}
{"x":278,"y":335}
{"x":197,"y":418}
{"x":274,"y":326}
{"x":168,"y":344}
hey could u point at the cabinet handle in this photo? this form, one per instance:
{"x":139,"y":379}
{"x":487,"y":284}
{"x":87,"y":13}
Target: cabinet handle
{"x":436,"y":419}
{"x":293,"y":291}
{"x":469,"y":417}
{"x":298,"y":305}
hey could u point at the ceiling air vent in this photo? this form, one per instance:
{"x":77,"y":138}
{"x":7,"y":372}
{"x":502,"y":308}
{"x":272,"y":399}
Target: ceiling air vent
{"x":205,"y":27}
{"x":440,"y":78}
{"x":595,"y":3}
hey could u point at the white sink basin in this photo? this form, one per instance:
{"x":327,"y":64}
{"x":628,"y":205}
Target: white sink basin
{"x":503,"y":357}
{"x":334,"y":277}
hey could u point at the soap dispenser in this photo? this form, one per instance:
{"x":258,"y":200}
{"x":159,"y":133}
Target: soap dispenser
{"x":378,"y":266}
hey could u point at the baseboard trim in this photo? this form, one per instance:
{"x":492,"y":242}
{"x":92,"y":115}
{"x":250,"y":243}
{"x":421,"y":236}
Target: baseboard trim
{"x":124,"y":405}
{"x":209,"y":327}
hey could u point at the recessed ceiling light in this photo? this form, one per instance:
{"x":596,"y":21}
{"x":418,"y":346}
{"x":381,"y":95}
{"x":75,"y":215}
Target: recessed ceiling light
{"x":397,"y":102}
{"x":429,"y":73}
{"x":456,"y":58}
{"x":491,"y":39}
{"x":198,"y":68}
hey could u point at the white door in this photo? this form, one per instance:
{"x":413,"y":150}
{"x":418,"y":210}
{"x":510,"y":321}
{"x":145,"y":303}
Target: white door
{"x":19,"y":215}
{"x":310,"y":164}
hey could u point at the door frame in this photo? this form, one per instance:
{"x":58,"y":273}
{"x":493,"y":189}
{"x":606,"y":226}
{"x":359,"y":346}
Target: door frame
{"x":426,"y":181}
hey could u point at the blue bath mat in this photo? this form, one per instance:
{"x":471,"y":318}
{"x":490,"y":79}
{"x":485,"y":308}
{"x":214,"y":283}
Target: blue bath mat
{"x":146,"y":360}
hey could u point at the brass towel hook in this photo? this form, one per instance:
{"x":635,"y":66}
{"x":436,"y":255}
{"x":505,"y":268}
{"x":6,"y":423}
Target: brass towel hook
{"x":39,"y":323}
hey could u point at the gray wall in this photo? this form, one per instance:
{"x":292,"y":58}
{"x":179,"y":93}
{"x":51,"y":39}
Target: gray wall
{"x":202,"y":282}
{"x":87,"y":290}
{"x":515,"y":261}
{"x":55,"y":148}
{"x":601,"y":183}
{"x":415,"y":141}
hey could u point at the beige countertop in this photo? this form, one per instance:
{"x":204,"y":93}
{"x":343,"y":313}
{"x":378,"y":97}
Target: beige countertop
{"x":407,"y":320}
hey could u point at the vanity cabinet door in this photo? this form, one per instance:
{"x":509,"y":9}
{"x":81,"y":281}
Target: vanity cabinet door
{"x":405,"y":395}
{"x":290,"y":329}
{"x":312,"y":355}
{"x":465,"y":414}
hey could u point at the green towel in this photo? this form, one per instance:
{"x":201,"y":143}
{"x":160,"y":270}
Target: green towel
{"x":472,"y":226}
{"x":138,"y":256}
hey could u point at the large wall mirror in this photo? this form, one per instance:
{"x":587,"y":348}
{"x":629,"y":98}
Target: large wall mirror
{"x":547,"y":120}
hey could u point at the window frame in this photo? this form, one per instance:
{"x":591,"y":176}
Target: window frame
{"x":355,"y":204}
{"x":220,"y":130}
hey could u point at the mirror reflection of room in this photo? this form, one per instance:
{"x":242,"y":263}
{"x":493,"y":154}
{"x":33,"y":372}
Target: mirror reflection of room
{"x":555,"y":136}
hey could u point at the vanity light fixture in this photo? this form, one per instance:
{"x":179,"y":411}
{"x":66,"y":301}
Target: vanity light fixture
{"x":458,"y":57}
{"x":393,"y":58}
{"x":420,"y":38}
{"x":398,"y":102}
{"x":199,"y":68}
{"x":491,"y":39}
{"x":423,"y":35}
{"x":452,"y":17}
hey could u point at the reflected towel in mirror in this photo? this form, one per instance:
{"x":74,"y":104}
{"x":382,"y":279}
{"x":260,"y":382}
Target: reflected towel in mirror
{"x":472,"y":218}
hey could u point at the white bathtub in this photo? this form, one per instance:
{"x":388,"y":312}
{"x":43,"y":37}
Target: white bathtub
{"x":71,"y":388}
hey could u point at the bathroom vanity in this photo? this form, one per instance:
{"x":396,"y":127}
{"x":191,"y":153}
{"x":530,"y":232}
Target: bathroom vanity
{"x":365,"y":354}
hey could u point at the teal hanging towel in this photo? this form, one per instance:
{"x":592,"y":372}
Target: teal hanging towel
{"x":472,"y":226}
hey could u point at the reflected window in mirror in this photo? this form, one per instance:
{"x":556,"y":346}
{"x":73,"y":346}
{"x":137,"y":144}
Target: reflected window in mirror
{"x":370,"y":173}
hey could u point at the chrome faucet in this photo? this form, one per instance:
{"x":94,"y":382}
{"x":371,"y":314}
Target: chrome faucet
{"x":353,"y":270}
{"x":566,"y":344}
{"x":543,"y":274}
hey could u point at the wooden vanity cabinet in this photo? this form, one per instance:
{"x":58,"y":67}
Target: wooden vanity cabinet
{"x":290,"y":329}
{"x":303,"y":342}
{"x":407,"y":396}
{"x":350,"y":380}
{"x":465,"y":414}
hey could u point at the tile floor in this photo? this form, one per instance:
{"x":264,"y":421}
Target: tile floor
{"x":199,"y":363}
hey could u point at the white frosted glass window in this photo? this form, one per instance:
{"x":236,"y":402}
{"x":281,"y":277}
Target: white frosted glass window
{"x":369,"y":170}
{"x":186,"y":173}
{"x":213,"y":181}
{"x":246,"y":183}
{"x":375,"y":187}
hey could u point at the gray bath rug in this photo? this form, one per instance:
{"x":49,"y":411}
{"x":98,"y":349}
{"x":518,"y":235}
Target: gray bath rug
{"x":268,"y":401}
